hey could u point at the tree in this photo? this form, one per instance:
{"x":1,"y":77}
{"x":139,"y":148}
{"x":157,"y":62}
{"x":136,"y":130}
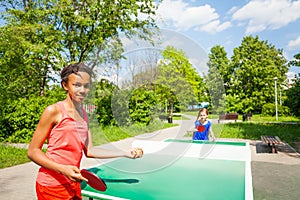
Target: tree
{"x":293,"y":98}
{"x":219,"y":63}
{"x":26,"y":58}
{"x":255,"y":64}
{"x":176,"y":73}
{"x":218,"y":78}
{"x":40,"y":37}
{"x":80,"y":27}
{"x":295,"y":61}
{"x":173,"y":88}
{"x":293,"y":93}
{"x":142,"y":65}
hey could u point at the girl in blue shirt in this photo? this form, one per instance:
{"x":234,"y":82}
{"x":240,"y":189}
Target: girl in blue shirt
{"x":203,"y":126}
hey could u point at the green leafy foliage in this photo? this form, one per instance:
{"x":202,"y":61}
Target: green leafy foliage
{"x":124,"y":107}
{"x":295,"y":61}
{"x":255,"y":64}
{"x":248,"y":77}
{"x":142,"y":105}
{"x":38,"y":38}
{"x":269,"y":109}
{"x":22,"y":115}
{"x":293,"y":100}
{"x":217,"y":78}
{"x":176,"y":73}
{"x":103,"y":103}
{"x":82,"y":26}
{"x":233,"y":103}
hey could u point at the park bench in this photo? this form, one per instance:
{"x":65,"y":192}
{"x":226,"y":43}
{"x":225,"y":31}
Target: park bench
{"x":271,"y":141}
{"x":228,"y":116}
{"x":165,"y":117}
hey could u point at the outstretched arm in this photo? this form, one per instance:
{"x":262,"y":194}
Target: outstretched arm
{"x":211,"y":133}
{"x":95,"y":152}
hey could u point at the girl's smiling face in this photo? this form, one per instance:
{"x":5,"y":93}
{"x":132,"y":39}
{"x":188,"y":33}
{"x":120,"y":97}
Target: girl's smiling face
{"x":78,"y":86}
{"x":203,"y":116}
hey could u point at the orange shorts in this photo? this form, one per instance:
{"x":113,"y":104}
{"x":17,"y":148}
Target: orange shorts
{"x":70,"y":191}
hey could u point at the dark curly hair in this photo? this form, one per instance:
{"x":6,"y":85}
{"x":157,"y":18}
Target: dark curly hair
{"x":74,"y":69}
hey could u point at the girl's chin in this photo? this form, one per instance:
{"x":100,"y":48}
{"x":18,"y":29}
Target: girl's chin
{"x":78,"y":100}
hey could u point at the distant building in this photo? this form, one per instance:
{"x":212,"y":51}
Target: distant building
{"x":291,"y":78}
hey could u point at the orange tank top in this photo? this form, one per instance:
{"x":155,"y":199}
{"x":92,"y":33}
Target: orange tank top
{"x":65,"y":146}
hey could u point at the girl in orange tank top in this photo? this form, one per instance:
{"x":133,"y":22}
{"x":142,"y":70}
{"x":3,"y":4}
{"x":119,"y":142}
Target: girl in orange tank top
{"x":65,"y":126}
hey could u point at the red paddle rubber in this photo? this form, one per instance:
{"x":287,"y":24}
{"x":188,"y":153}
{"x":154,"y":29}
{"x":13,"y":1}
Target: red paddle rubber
{"x":93,"y":180}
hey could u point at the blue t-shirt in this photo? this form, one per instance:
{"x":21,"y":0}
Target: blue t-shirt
{"x":204,"y":134}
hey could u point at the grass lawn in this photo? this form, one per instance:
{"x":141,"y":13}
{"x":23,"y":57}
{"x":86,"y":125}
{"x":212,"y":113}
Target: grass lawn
{"x":111,"y":134}
{"x":10,"y":156}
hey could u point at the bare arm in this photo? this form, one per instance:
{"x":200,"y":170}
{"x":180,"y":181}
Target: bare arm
{"x":211,"y":133}
{"x":95,"y":152}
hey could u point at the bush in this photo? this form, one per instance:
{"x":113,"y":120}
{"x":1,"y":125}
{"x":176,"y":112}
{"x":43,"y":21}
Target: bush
{"x":143,"y":106}
{"x":125,"y":107}
{"x":269,"y":109}
{"x":20,"y":118}
{"x":103,"y":103}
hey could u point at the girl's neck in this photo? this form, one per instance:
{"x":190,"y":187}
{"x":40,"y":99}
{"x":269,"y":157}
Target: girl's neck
{"x":72,"y":104}
{"x":202,"y":122}
{"x":74,"y":109}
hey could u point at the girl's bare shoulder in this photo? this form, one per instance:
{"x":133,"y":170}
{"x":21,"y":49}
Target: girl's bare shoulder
{"x":52,"y":109}
{"x":52,"y":113}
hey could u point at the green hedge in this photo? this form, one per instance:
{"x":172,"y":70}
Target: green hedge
{"x":20,"y":117}
{"x":269,"y":109}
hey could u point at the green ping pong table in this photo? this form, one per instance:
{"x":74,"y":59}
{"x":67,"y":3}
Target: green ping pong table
{"x":178,"y":169}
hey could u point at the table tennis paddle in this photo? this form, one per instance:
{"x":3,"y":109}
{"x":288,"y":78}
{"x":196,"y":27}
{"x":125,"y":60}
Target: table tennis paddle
{"x":93,"y":180}
{"x":200,"y":128}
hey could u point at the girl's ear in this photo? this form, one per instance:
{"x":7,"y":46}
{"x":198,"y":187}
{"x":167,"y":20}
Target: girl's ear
{"x":64,"y":85}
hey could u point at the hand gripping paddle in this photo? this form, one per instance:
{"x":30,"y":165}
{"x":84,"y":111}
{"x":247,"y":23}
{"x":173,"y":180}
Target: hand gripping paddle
{"x":93,"y":180}
{"x":200,"y":128}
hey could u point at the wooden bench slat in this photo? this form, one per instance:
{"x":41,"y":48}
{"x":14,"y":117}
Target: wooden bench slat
{"x":271,"y":140}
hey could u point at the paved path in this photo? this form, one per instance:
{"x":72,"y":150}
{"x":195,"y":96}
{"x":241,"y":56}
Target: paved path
{"x":275,"y":176}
